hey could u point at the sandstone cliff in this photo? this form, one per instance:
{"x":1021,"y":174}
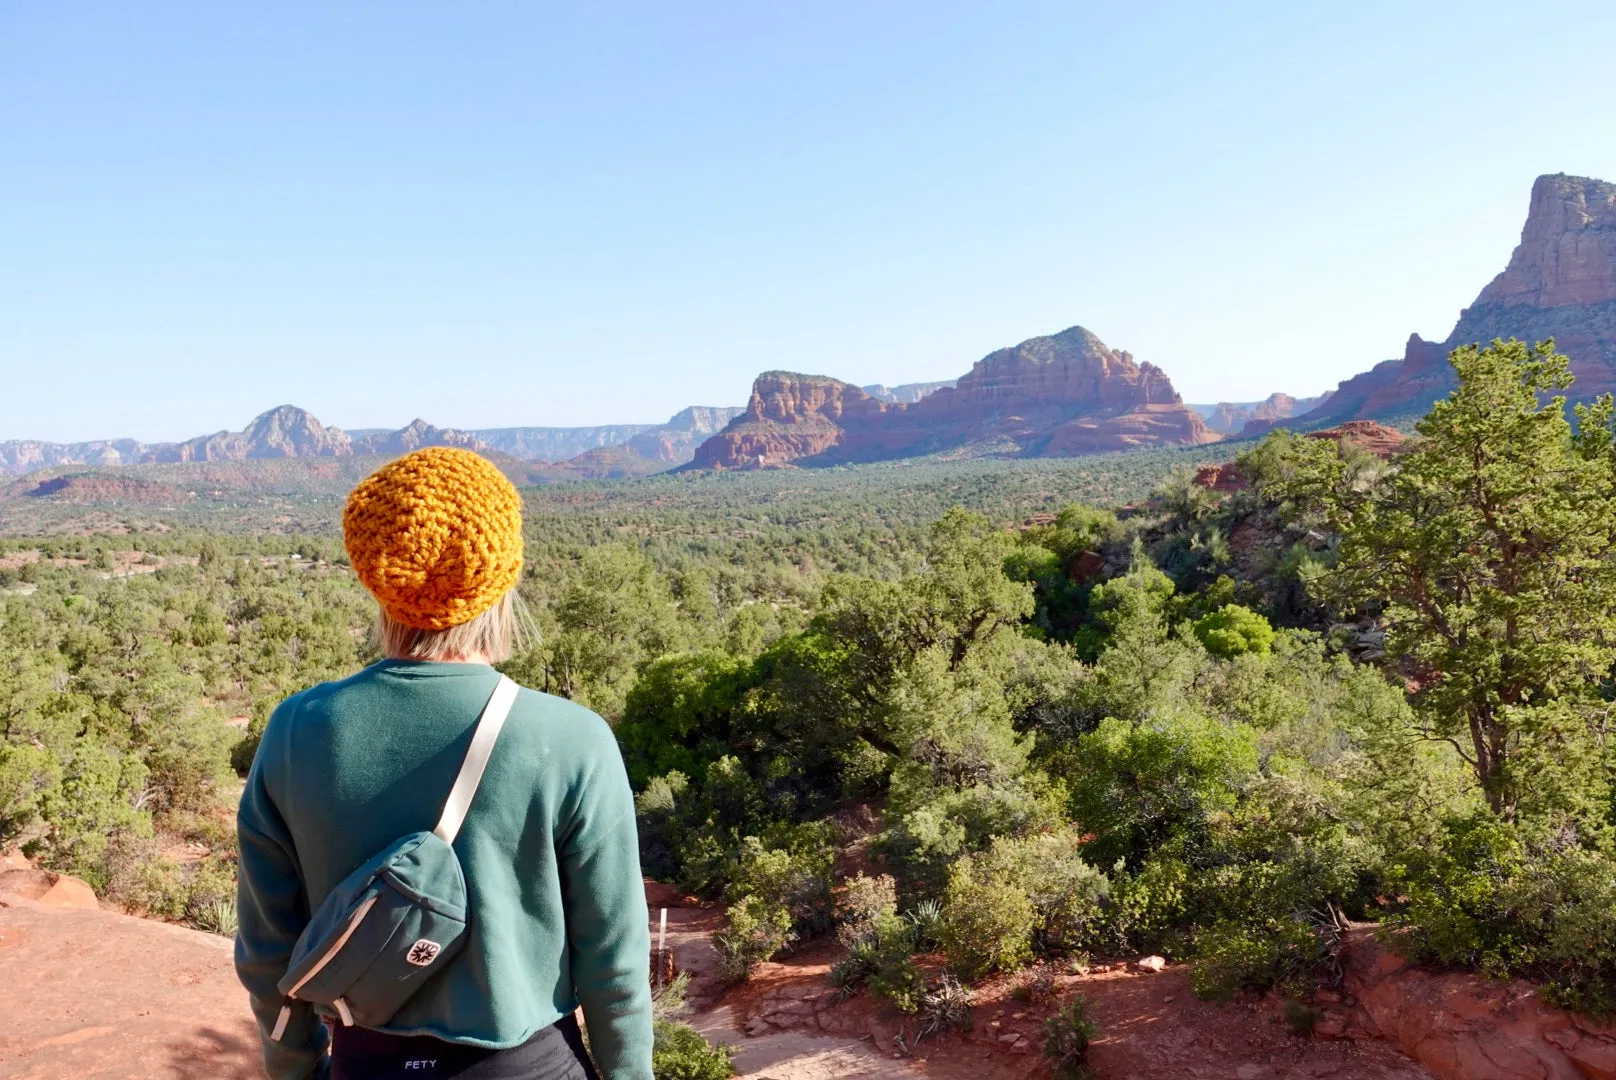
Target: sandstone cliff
{"x":790,"y":417}
{"x":1056,"y":396}
{"x":1560,"y":283}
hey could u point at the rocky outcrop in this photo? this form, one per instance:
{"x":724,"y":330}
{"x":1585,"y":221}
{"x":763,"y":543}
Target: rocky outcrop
{"x":1462,"y":1026}
{"x":28,"y":883}
{"x":95,"y":995}
{"x":1056,"y":396}
{"x":1366,"y":435}
{"x":1225,"y":477}
{"x":1560,"y":283}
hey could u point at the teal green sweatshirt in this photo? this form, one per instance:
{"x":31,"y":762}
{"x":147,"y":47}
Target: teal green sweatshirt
{"x":557,"y":914}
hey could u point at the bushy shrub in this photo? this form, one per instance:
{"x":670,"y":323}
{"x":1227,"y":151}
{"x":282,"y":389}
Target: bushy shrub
{"x":986,"y":925}
{"x":679,"y":1052}
{"x":723,"y":831}
{"x":796,"y":876}
{"x":1230,"y":957}
{"x":899,"y":981}
{"x":657,"y":807}
{"x":1036,"y":986}
{"x":1233,"y":630}
{"x":1497,"y":898}
{"x":757,"y":930}
{"x":860,"y":902}
{"x":677,"y":716}
{"x":1068,"y":895}
{"x":882,"y":958}
{"x":1067,"y":1035}
{"x":1147,"y":905}
{"x":1140,"y":786}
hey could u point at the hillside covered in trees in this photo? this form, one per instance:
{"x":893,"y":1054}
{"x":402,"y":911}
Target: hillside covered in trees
{"x":1213,"y":724}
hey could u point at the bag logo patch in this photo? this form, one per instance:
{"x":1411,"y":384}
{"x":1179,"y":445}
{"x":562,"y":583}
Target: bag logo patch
{"x":423,"y":952}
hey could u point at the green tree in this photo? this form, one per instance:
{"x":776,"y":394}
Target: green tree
{"x":1489,"y":552}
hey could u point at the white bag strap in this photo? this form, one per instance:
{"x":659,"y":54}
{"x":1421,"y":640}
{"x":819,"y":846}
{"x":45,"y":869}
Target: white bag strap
{"x":471,"y":770}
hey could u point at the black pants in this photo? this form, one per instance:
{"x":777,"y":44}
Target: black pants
{"x":556,"y":1053}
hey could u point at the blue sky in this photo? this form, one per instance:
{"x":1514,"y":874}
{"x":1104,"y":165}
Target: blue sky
{"x":559,"y":213}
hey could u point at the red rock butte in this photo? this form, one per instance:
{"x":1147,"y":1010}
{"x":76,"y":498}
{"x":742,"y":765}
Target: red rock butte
{"x":1057,"y":396}
{"x":1560,"y":283}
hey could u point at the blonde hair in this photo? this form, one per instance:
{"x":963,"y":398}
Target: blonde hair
{"x":494,"y":635}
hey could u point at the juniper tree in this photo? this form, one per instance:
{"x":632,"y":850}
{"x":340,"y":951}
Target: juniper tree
{"x":1489,"y":552}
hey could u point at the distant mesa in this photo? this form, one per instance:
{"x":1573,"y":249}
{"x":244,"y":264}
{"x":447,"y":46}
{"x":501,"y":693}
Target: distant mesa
{"x":1058,"y":396}
{"x":290,"y":432}
{"x":105,"y":488}
{"x":413,"y":436}
{"x":1560,"y":283}
{"x":1248,"y":418}
{"x":671,"y":443}
{"x":283,"y":432}
{"x":908,"y":393}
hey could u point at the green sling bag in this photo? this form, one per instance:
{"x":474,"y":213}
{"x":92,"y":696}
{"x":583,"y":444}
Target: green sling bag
{"x":384,"y":930}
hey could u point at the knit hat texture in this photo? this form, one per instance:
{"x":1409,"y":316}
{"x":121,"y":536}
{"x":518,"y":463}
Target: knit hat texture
{"x":436,"y":536}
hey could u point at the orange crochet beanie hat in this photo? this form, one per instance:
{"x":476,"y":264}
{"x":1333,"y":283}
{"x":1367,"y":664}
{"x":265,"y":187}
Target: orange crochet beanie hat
{"x":436,"y":536}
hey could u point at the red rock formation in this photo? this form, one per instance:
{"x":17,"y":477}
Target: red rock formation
{"x":1225,"y":477}
{"x":1377,"y":439}
{"x":1047,"y":397}
{"x":1560,"y":283}
{"x":1367,"y":435}
{"x":789,"y":416}
{"x":95,"y":995}
{"x":44,"y":887}
{"x":1462,"y":1026}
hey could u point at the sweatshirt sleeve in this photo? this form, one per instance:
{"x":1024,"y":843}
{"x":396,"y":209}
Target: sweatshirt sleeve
{"x":272,"y":910}
{"x":608,"y":933}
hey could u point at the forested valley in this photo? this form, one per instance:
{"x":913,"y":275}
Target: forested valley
{"x":1212,"y":724}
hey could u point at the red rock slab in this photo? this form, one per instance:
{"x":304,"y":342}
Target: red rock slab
{"x":1462,"y":1026}
{"x":94,"y":994}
